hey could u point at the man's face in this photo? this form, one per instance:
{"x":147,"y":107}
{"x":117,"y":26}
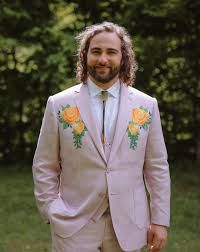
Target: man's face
{"x":104,"y":58}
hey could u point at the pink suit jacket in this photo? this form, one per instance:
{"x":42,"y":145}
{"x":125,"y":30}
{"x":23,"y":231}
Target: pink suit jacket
{"x":72,"y":182}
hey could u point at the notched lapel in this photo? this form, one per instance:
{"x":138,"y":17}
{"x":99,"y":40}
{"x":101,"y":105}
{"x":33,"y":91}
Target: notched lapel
{"x":82,"y":100}
{"x":125,"y":107}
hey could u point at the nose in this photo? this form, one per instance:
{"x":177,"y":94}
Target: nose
{"x":103,"y":59}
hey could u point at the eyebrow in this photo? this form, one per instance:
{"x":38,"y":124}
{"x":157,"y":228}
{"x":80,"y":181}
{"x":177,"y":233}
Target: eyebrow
{"x":108,"y":49}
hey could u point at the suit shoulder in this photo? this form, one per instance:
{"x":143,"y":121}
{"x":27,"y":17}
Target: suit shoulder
{"x":140,"y":94}
{"x":67,"y":93}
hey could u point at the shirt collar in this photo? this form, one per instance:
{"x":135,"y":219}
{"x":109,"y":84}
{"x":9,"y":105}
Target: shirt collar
{"x":94,"y":90}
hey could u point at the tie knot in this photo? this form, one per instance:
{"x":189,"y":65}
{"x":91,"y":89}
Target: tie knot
{"x":104,"y":95}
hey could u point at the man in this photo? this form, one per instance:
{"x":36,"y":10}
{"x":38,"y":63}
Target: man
{"x":100,"y":143}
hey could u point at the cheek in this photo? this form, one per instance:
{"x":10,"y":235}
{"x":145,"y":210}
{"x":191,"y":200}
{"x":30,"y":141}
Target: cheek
{"x":91,"y":60}
{"x":117,"y":60}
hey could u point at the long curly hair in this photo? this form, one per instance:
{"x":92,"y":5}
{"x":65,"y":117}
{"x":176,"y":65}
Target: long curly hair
{"x":128,"y":66}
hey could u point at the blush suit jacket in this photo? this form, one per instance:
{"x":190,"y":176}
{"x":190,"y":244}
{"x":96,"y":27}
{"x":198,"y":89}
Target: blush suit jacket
{"x":73,"y":176}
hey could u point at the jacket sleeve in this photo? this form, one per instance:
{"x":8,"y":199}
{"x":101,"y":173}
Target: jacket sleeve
{"x":156,"y":172}
{"x":46,"y":163}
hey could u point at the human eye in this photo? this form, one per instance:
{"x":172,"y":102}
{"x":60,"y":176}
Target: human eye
{"x":112,"y":52}
{"x":95,"y":51}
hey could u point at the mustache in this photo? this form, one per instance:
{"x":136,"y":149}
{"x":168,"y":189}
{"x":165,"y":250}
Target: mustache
{"x":102,"y":65}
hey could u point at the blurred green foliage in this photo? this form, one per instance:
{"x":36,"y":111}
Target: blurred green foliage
{"x":38,"y":58}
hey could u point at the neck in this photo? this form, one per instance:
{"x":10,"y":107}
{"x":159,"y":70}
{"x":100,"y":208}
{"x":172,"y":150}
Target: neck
{"x":106,"y":85}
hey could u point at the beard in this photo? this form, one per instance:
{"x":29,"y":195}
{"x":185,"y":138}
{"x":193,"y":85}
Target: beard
{"x":103,"y":78}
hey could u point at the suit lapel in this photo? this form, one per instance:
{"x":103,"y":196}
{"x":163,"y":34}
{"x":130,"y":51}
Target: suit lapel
{"x":82,"y":100}
{"x":123,"y":119}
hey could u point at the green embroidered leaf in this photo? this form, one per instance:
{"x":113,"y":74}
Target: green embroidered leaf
{"x":144,"y":109}
{"x":64,"y":107}
{"x":133,"y":140}
{"x":133,"y":145}
{"x":65,"y":125}
{"x":77,"y":140}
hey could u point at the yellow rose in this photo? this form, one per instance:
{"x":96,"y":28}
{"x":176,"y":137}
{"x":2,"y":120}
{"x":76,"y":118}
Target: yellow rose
{"x":140,"y":116}
{"x":70,"y":114}
{"x":133,"y":128}
{"x":78,"y":127}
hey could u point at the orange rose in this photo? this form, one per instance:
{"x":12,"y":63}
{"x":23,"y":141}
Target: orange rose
{"x":140,"y":116}
{"x":70,"y":114}
{"x":133,"y":128}
{"x":78,"y":127}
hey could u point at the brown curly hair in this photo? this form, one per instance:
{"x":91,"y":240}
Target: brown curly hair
{"x":128,"y":63}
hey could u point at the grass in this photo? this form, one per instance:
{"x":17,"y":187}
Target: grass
{"x":185,"y":217}
{"x":22,"y":230}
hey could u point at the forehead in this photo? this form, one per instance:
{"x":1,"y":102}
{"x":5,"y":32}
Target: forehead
{"x":106,"y":40}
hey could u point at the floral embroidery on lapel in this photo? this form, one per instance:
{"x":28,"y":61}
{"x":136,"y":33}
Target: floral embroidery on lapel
{"x":141,"y":118}
{"x":69,"y":116}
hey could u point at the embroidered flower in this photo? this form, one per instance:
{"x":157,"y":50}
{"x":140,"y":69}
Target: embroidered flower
{"x":141,"y":118}
{"x":69,"y":116}
{"x":133,"y":128}
{"x":78,"y":127}
{"x":133,"y":134}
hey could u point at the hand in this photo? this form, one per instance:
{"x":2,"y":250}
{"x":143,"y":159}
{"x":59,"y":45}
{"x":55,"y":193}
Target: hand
{"x":156,"y":237}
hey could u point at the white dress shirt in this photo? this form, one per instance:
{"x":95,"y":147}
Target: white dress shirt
{"x":111,"y":106}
